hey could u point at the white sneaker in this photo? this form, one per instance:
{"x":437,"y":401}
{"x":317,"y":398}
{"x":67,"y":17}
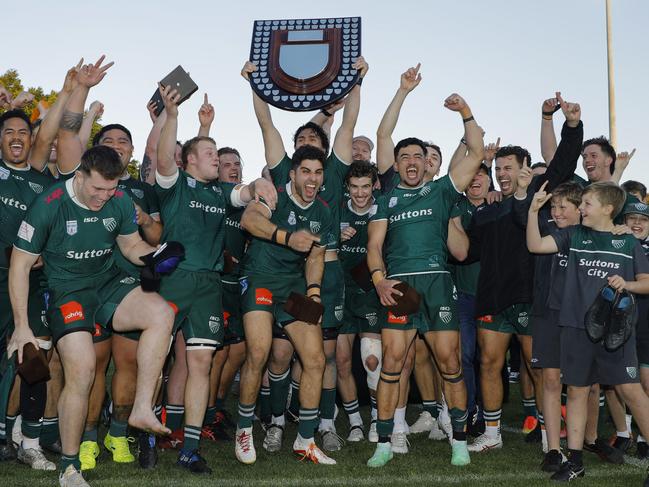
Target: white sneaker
{"x":484,"y":443}
{"x":17,"y":431}
{"x":444,"y":421}
{"x":356,"y":433}
{"x":244,"y":448}
{"x":308,"y":450}
{"x":372,"y":435}
{"x":436,"y":432}
{"x":331,"y":441}
{"x":273,"y":439}
{"x":72,"y":478}
{"x":35,"y":459}
{"x":399,"y":442}
{"x":423,"y":424}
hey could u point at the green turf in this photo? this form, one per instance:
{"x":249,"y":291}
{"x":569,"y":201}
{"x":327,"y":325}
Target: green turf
{"x":517,"y":464}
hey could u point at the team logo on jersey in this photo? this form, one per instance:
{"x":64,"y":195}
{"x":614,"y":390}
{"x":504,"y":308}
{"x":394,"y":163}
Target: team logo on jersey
{"x":372,"y":211}
{"x":191,"y":182}
{"x":425,"y":191}
{"x":263,"y":296}
{"x":632,"y":371}
{"x":138,"y":193}
{"x":215,"y":324}
{"x":72,"y":311}
{"x":397,"y":320}
{"x":110,"y":224}
{"x":618,"y":244}
{"x":37,"y":188}
{"x":393,"y":202}
{"x":338,"y":312}
{"x":128,"y":280}
{"x":523,"y":319}
{"x":372,"y":319}
{"x":291,"y":218}
{"x":71,"y":227}
{"x":4,"y":173}
{"x":315,"y":226}
{"x":445,"y":314}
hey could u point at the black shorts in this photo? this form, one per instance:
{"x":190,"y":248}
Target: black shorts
{"x":584,"y":363}
{"x":642,"y":334}
{"x":546,"y":340}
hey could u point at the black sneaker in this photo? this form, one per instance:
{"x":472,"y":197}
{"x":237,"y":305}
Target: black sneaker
{"x":621,"y":321}
{"x":622,"y":444}
{"x":598,"y":315}
{"x":642,"y":450}
{"x":568,"y":471}
{"x":7,"y":452}
{"x":605,"y":451}
{"x":192,"y":461}
{"x":52,"y":447}
{"x":476,"y":425}
{"x":147,"y":455}
{"x":552,"y":461}
{"x":225,"y":419}
{"x":534,"y":436}
{"x":292,"y":416}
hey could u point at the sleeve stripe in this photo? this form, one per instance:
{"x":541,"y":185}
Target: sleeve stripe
{"x":27,"y":252}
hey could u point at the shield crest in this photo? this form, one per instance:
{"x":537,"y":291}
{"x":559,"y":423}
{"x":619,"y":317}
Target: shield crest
{"x":305,"y":64}
{"x":110,"y":224}
{"x":315,"y":226}
{"x":71,"y":227}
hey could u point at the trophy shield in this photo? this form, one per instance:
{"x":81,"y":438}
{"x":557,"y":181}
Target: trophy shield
{"x":305,"y":64}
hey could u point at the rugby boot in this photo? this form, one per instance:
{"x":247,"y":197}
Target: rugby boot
{"x":529,"y":424}
{"x":372,"y":435}
{"x":193,"y":461}
{"x":568,"y":472}
{"x":598,"y":315}
{"x":308,"y":450}
{"x":118,"y":446}
{"x":552,"y":461}
{"x":331,"y":441}
{"x":174,"y":441}
{"x":273,"y":439}
{"x":71,"y":477}
{"x":147,"y":455}
{"x":485,"y":442}
{"x":400,"y":443}
{"x":35,"y":459}
{"x":642,"y":450}
{"x":605,"y":451}
{"x":88,"y":453}
{"x":244,"y":448}
{"x":460,"y":456}
{"x":382,"y":455}
{"x":621,"y":321}
{"x":356,"y":433}
{"x":424,"y":423}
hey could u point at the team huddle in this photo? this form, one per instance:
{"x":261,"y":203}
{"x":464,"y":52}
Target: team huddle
{"x":187,"y":278}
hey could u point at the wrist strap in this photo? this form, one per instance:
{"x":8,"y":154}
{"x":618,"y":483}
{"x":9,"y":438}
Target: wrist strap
{"x":550,"y":113}
{"x":313,"y":286}
{"x":468,"y":119}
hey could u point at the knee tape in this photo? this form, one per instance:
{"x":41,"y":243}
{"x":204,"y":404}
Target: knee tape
{"x":371,"y":346}
{"x":453,"y":378}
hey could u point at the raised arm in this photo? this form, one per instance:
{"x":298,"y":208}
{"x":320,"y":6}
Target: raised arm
{"x":462,"y":174}
{"x":384,"y":143}
{"x":343,"y":142}
{"x":69,"y":147}
{"x":273,"y":144}
{"x":325,"y":117}
{"x":150,"y":157}
{"x":535,"y":243}
{"x":95,"y":111}
{"x":621,"y":163}
{"x":166,"y":162}
{"x":205,"y":117}
{"x":548,"y":138}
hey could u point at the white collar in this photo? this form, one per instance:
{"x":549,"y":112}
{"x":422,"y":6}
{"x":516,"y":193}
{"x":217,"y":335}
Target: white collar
{"x":289,"y":192}
{"x":69,"y":186}
{"x":351,"y":207}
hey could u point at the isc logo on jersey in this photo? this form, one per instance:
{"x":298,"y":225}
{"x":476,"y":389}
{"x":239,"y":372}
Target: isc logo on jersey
{"x":72,"y":311}
{"x":263,"y":296}
{"x":445,"y":314}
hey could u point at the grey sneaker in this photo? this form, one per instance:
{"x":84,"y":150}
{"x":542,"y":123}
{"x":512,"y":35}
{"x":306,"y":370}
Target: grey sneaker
{"x":273,"y":439}
{"x":436,"y":433}
{"x":35,"y":459}
{"x":331,"y":441}
{"x":423,"y":424}
{"x":72,"y":478}
{"x":372,"y":435}
{"x":400,"y":443}
{"x":356,"y":433}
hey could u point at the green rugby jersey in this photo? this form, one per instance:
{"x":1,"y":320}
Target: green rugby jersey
{"x":235,"y":241}
{"x":74,"y":241}
{"x":269,"y":258}
{"x":354,"y":251}
{"x":145,"y":197}
{"x":465,"y":277}
{"x":592,"y":258}
{"x":333,"y":185}
{"x":194,"y":215}
{"x":19,"y":187}
{"x":417,"y":227}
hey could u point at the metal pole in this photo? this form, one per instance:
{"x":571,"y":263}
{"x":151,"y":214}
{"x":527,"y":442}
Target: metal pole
{"x":612,"y":131}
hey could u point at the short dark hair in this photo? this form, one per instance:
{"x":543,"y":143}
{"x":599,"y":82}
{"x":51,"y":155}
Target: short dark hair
{"x":111,"y":126}
{"x":437,"y":148}
{"x":569,"y":190}
{"x":15,"y":113}
{"x":635,"y":187}
{"x":104,"y":160}
{"x":514,"y":150}
{"x":608,"y":193}
{"x":606,"y":147}
{"x":409,"y":141}
{"x":538,"y":164}
{"x":189,"y":147}
{"x":307,"y":152}
{"x":362,"y":169}
{"x":228,"y":150}
{"x":322,"y":135}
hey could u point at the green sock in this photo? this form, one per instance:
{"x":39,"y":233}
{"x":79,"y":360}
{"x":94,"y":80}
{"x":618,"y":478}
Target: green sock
{"x":175,"y":413}
{"x":117,"y":428}
{"x":295,"y":396}
{"x":90,"y":435}
{"x":431,"y":407}
{"x":529,"y":407}
{"x":328,"y":403}
{"x":384,"y":429}
{"x":192,"y":437}
{"x":219,"y":404}
{"x":264,"y":402}
{"x":308,"y":423}
{"x":50,"y":431}
{"x":210,"y":414}
{"x":246,"y":415}
{"x":31,"y":429}
{"x":279,"y":384}
{"x":458,"y":423}
{"x":67,"y":460}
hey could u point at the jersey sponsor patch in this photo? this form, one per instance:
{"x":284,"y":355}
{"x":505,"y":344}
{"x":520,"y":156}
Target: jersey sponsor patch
{"x":397,"y":320}
{"x":37,"y":188}
{"x":72,"y":311}
{"x":97,"y":332}
{"x":71,"y":227}
{"x":26,"y":231}
{"x":263,"y":296}
{"x":110,"y":224}
{"x":486,"y":319}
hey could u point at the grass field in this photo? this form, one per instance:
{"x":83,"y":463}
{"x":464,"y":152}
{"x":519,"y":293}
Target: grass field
{"x":517,"y":464}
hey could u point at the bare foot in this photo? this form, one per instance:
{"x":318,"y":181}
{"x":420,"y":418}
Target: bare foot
{"x":148,"y":422}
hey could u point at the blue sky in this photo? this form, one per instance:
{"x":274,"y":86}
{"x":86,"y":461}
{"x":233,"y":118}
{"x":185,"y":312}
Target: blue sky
{"x":504,"y":57}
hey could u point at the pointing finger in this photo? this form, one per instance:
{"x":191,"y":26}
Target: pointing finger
{"x":632,"y":152}
{"x":205,"y":99}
